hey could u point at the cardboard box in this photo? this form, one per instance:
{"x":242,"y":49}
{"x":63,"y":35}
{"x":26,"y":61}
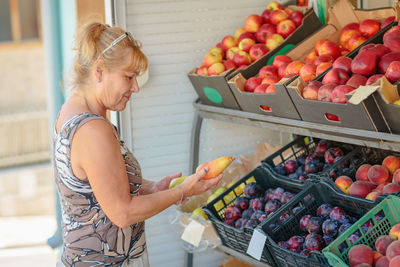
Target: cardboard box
{"x":214,"y":90}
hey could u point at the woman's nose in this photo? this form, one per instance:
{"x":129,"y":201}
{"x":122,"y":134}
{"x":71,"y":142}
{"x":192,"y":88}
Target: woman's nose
{"x":135,"y":86}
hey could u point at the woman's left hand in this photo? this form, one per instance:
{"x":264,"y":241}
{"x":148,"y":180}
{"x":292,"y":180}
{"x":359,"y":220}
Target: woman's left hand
{"x":163,"y":184}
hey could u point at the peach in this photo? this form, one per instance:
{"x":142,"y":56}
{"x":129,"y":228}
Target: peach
{"x":310,"y":58}
{"x":396,"y":177}
{"x":238,"y":32}
{"x":382,"y":243}
{"x":378,"y":174}
{"x":344,"y":183}
{"x":360,"y":254}
{"x":395,"y":262}
{"x":311,"y":90}
{"x":377,"y":256}
{"x":391,"y":188}
{"x":355,"y":41}
{"x":380,"y":187}
{"x":382,"y":262}
{"x":307,"y":72}
{"x":345,"y":37}
{"x":362,"y":173}
{"x":373,"y":195}
{"x":329,"y":48}
{"x":394,"y":232}
{"x":359,"y":189}
{"x":391,"y":163}
{"x":294,"y":67}
{"x":228,"y":41}
{"x":363,"y":265}
{"x":393,"y":250}
{"x":323,"y":67}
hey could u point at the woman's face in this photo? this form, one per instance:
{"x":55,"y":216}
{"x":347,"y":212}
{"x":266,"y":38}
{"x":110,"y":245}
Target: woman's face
{"x":118,"y":86}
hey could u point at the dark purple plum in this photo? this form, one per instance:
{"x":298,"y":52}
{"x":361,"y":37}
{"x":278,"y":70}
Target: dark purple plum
{"x":313,"y":166}
{"x":300,"y":170}
{"x":354,"y":237}
{"x":242,"y":203}
{"x":290,"y":166}
{"x":344,"y":164}
{"x":271,"y":206}
{"x":268,"y":194}
{"x":304,"y":221}
{"x":305,"y":252}
{"x":257,"y":203}
{"x":314,"y":242}
{"x":324,"y":210}
{"x":314,"y":225}
{"x":283,"y":244}
{"x":240,"y":223}
{"x":252,"y":223}
{"x":232,"y":212}
{"x":277,"y":193}
{"x":328,"y":239}
{"x":321,"y":148}
{"x":343,"y":228}
{"x":296,"y":243}
{"x":311,"y":157}
{"x":263,"y":217}
{"x":252,"y":190}
{"x":302,"y":177}
{"x":258,"y":214}
{"x":337,"y":214}
{"x":331,"y":154}
{"x":286,"y":196}
{"x":330,"y":227}
{"x":296,"y":209}
{"x":293,"y":176}
{"x":246,"y":214}
{"x":284,"y":216}
{"x":230,"y":222}
{"x":301,"y":160}
{"x":280,"y":169}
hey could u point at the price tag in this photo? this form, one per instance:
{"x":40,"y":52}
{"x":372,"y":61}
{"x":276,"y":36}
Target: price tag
{"x":193,"y":233}
{"x":256,"y":244}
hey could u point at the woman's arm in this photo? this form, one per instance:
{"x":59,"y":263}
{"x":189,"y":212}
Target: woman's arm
{"x":97,"y":152}
{"x":149,"y":187}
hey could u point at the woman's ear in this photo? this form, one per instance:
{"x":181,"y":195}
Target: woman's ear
{"x":98,"y":73}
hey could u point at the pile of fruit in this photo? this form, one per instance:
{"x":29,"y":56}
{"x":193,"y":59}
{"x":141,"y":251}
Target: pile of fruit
{"x":317,"y":61}
{"x":324,"y":155}
{"x":387,"y":253}
{"x":373,"y":181}
{"x":372,"y":62}
{"x":320,"y":230}
{"x":259,"y":35}
{"x":255,"y":206}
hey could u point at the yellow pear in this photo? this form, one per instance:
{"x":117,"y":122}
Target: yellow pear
{"x":397,"y":102}
{"x":200,"y":212}
{"x":219,"y":191}
{"x":177,"y":181}
{"x":215,"y":167}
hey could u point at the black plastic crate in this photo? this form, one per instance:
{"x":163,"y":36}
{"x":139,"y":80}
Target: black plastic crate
{"x":235,"y":238}
{"x":364,"y":155}
{"x":308,"y":201}
{"x":302,"y":146}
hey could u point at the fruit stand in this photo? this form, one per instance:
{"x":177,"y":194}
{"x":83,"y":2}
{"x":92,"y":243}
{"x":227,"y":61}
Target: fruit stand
{"x":377,"y":133}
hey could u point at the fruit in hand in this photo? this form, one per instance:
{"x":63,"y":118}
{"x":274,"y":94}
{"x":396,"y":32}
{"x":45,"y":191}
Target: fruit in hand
{"x":215,"y":167}
{"x":177,"y":181}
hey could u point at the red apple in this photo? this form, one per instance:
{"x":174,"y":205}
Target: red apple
{"x":253,"y":23}
{"x":355,"y":41}
{"x":311,"y":90}
{"x":238,"y":32}
{"x":373,"y":79}
{"x":216,"y":69}
{"x":330,"y":48}
{"x":286,"y":28}
{"x":274,"y":40}
{"x":378,"y":49}
{"x":202,"y":71}
{"x":228,"y":41}
{"x":307,"y":72}
{"x":211,"y":58}
{"x":323,"y":58}
{"x":281,"y":59}
{"x":350,"y":26}
{"x":318,"y":44}
{"x":270,"y":80}
{"x":296,"y":17}
{"x":393,"y":42}
{"x":274,"y":5}
{"x":325,"y":92}
{"x":257,"y":51}
{"x":394,"y":31}
{"x":386,"y":60}
{"x":282,"y":70}
{"x":343,"y":63}
{"x":336,"y":76}
{"x":229,"y":64}
{"x":261,"y":88}
{"x":241,"y":58}
{"x":231,"y":52}
{"x":364,"y":63}
{"x":393,"y":72}
{"x":245,"y":44}
{"x":323,"y":67}
{"x":356,"y":80}
{"x":310,"y":58}
{"x":264,"y":31}
{"x":339,"y":93}
{"x":278,"y":16}
{"x":369,"y":27}
{"x":217,"y":50}
{"x":252,"y":83}
{"x":246,"y":35}
{"x":345,"y":37}
{"x":294,"y":67}
{"x":266,"y":16}
{"x":270,"y":89}
{"x":387,"y":21}
{"x":267,"y":71}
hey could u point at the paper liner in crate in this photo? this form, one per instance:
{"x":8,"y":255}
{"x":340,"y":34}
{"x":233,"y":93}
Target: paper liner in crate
{"x":181,"y":217}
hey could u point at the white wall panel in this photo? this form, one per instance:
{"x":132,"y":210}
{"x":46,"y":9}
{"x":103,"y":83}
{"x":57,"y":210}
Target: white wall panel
{"x":175,"y":36}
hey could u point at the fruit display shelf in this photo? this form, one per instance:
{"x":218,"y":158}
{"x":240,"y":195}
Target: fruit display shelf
{"x":378,"y":220}
{"x":338,"y":207}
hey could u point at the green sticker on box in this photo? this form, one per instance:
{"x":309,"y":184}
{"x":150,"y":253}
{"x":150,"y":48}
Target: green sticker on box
{"x":281,"y":51}
{"x":213,"y":95}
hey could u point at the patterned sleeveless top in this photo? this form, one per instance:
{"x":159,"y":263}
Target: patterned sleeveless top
{"x":90,"y":238}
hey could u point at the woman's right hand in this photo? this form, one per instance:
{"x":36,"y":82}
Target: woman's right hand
{"x":194,"y":185}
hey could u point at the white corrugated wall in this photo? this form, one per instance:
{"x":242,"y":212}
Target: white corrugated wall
{"x":175,"y":35}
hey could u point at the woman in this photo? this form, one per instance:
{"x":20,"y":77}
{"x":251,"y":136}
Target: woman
{"x":103,"y":196}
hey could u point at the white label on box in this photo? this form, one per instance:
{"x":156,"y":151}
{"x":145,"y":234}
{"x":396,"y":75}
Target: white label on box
{"x":257,"y":243}
{"x":193,"y":233}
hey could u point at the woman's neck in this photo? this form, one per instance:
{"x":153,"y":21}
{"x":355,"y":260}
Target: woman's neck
{"x":91,"y":103}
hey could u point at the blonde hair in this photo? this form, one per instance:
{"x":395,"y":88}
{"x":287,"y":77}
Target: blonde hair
{"x":90,"y":42}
